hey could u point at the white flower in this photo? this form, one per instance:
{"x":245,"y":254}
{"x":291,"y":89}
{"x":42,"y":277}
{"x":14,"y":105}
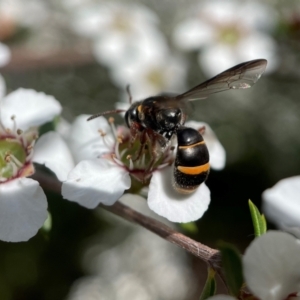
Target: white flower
{"x":149,"y":78}
{"x":105,"y":178}
{"x":271,"y":266}
{"x":121,"y":32}
{"x":227,"y":33}
{"x":23,"y":205}
{"x":4,"y":58}
{"x":281,"y":203}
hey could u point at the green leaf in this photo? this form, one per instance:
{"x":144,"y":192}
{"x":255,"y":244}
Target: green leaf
{"x":232,"y":266}
{"x":258,"y":220}
{"x":210,"y":285}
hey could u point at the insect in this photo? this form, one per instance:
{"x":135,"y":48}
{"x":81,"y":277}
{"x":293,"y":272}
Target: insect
{"x":159,"y":118}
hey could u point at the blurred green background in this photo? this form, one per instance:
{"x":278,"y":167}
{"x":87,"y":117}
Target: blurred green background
{"x":258,"y":127}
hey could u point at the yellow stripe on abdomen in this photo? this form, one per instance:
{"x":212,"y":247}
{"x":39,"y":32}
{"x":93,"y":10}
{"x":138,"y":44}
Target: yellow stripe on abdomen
{"x":190,"y":146}
{"x":193,"y":170}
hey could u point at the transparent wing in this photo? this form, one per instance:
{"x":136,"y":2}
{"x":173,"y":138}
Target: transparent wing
{"x":241,"y":76}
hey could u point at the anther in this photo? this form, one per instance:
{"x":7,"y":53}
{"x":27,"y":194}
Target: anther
{"x":102,"y":133}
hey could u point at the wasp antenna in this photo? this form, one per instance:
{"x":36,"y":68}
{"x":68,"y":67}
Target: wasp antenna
{"x":129,"y":93}
{"x":115,"y":111}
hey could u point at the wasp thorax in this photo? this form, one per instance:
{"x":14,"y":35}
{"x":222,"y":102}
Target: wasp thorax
{"x":169,"y":118}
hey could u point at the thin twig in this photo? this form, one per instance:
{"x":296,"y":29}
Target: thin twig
{"x":209,"y":255}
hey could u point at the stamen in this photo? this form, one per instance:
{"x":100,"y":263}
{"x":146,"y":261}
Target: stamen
{"x":105,"y":142}
{"x":163,"y":166}
{"x":131,"y":166}
{"x":122,"y":153}
{"x":117,"y":161}
{"x":102,"y":133}
{"x":13,"y":118}
{"x":15,"y":160}
{"x":117,"y":149}
{"x":143,"y":160}
{"x":111,"y":121}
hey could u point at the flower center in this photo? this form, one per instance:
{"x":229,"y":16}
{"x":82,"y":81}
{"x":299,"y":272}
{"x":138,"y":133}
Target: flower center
{"x":155,"y":78}
{"x":229,"y":35}
{"x":140,"y":160}
{"x":12,"y":157}
{"x":121,"y":23}
{"x":16,"y":149}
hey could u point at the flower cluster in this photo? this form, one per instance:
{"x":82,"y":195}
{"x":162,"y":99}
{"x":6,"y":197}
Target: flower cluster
{"x":228,"y":32}
{"x":126,"y":39}
{"x":108,"y":166}
{"x":23,"y":205}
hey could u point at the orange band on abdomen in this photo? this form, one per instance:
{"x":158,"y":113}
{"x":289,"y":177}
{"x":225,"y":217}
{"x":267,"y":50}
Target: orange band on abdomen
{"x":193,"y":170}
{"x":190,"y":146}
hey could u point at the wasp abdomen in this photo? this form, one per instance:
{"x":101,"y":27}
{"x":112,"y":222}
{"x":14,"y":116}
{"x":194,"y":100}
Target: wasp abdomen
{"x":191,"y":166}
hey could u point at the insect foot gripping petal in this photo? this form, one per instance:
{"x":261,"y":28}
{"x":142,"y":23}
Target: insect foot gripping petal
{"x":191,"y":165}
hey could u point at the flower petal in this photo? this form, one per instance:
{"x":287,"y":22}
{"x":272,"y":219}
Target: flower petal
{"x":52,"y":151}
{"x":193,"y":34}
{"x":2,"y":87}
{"x":5,"y":55}
{"x":93,"y":182}
{"x":166,"y":202}
{"x":217,"y":154}
{"x":271,"y":266}
{"x":23,"y":209}
{"x":31,"y":108}
{"x":85,"y":140}
{"x":281,"y":202}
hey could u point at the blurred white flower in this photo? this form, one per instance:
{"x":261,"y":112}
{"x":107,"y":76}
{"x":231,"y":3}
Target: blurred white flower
{"x":5,"y":56}
{"x":271,"y":266}
{"x":281,"y":203}
{"x":122,"y":32}
{"x":227,"y":33}
{"x":148,"y":78}
{"x":15,"y":14}
{"x":142,"y":275}
{"x":108,"y":167}
{"x":23,"y":205}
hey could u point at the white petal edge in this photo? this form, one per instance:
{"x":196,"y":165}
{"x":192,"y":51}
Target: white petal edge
{"x":52,"y":151}
{"x":23,"y":209}
{"x":217,"y":154}
{"x":31,"y":108}
{"x":281,"y":202}
{"x":2,"y":87}
{"x":271,"y":266}
{"x":93,"y":182}
{"x":5,"y":55}
{"x":85,"y":140}
{"x":166,"y":202}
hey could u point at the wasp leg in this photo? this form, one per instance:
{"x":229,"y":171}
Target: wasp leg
{"x":129,"y":93}
{"x":154,"y":138}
